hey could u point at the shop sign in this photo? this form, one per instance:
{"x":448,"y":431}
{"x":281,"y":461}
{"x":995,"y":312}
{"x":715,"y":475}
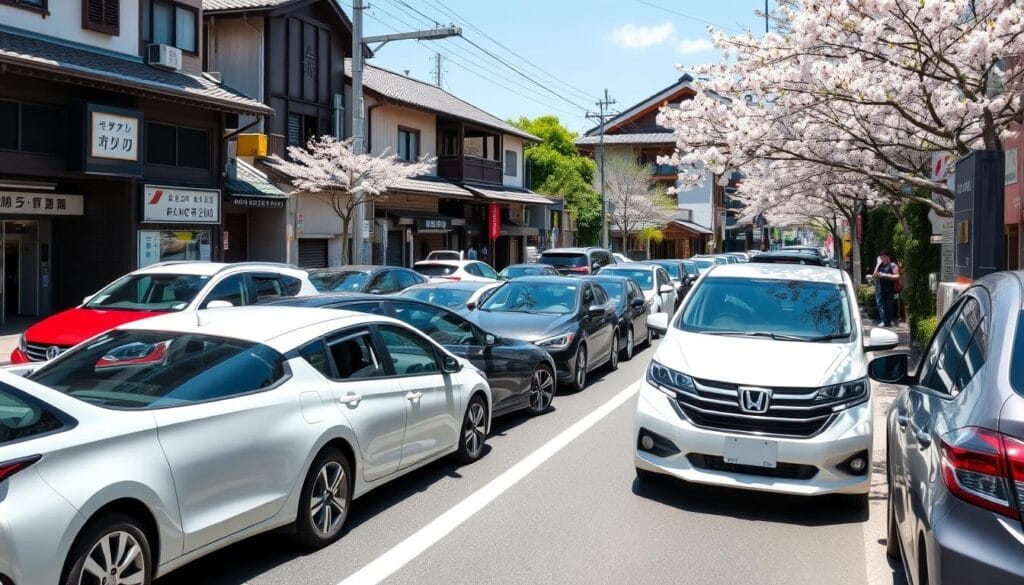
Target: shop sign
{"x":113,"y":141}
{"x":493,"y":221}
{"x":433,"y":224}
{"x":264,"y":202}
{"x":28,"y":203}
{"x":1010,"y":174}
{"x":180,"y":205}
{"x":149,"y":247}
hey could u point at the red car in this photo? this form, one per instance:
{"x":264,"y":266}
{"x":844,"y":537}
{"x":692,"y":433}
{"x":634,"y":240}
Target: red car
{"x":158,"y":289}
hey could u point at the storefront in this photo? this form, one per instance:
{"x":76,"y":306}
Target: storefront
{"x":421,"y":215}
{"x":521,"y":219}
{"x":178,"y":223}
{"x":256,"y":219}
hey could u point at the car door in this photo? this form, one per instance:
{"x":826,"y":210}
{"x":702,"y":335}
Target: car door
{"x":592,"y":326}
{"x":637,"y":314}
{"x":375,"y":408}
{"x":238,"y":418}
{"x":609,"y":318}
{"x":432,"y":421}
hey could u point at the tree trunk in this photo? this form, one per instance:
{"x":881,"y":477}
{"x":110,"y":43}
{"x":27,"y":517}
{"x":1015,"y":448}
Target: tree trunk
{"x":344,"y":241}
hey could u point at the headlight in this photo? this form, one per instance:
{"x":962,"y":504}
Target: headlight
{"x":668,"y":380}
{"x":847,"y":392}
{"x":22,"y":343}
{"x":557,"y":342}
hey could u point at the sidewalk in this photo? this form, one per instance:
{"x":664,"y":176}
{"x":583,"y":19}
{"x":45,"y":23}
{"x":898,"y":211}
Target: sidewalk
{"x":10,"y":333}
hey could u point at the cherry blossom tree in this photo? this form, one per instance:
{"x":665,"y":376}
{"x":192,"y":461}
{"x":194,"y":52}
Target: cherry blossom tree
{"x":634,"y":202}
{"x":865,"y":87}
{"x":329,"y":170}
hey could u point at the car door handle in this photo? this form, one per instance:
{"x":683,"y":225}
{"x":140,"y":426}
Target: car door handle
{"x":414,"y":396}
{"x":902,"y":420}
{"x":351,"y":399}
{"x":924,"y":439}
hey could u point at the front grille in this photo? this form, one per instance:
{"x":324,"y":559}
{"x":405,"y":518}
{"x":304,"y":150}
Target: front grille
{"x":791,"y":411}
{"x":781,"y":470}
{"x":36,"y":352}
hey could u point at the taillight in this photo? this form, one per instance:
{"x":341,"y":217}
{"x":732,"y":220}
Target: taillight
{"x":984,"y":468}
{"x":580,"y":269}
{"x":452,"y":278}
{"x":9,"y":468}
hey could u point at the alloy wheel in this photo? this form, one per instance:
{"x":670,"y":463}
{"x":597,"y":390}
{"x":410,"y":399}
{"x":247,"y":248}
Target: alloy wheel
{"x":329,"y":499}
{"x":629,"y":343}
{"x":581,"y":367}
{"x":116,"y":559}
{"x":613,"y":361}
{"x":475,"y":429}
{"x":542,"y":390}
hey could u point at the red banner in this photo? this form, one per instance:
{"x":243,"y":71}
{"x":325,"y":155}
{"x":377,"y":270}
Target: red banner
{"x":493,"y":221}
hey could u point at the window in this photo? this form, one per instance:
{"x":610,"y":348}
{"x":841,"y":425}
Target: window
{"x":175,"y":25}
{"x":149,"y":292}
{"x":291,"y":285}
{"x":406,"y":279}
{"x":102,"y":16}
{"x":22,"y":417}
{"x":510,"y":164}
{"x":449,"y":144}
{"x":516,"y":297}
{"x":600,"y":296}
{"x":440,"y":325}
{"x":32,"y":128}
{"x":410,"y":354}
{"x":486,"y":270}
{"x":641,"y":276}
{"x":316,"y":354}
{"x":164,"y":245}
{"x":588,"y":296}
{"x":156,"y":369}
{"x":232,"y":289}
{"x":39,"y":5}
{"x":177,"y":146}
{"x":408,"y":144}
{"x":473,"y":269}
{"x":384,"y":283}
{"x":302,"y":129}
{"x":353,"y":356}
{"x":961,"y":354}
{"x":267,"y":286}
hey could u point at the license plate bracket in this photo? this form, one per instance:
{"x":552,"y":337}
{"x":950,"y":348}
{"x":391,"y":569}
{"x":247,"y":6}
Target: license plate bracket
{"x":752,"y":452}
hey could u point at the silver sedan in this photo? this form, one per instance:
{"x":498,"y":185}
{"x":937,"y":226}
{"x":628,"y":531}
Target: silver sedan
{"x":163,"y":440}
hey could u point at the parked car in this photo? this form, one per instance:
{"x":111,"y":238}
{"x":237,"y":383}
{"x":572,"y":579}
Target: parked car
{"x":956,"y":442}
{"x":445,"y":255}
{"x":704,"y":264}
{"x":576,"y":261}
{"x":521,"y":375}
{"x":167,"y":439}
{"x":461,"y":297}
{"x":517,"y":270}
{"x":157,"y":289}
{"x":794,"y":416}
{"x":681,"y":277}
{"x":620,"y":257}
{"x":741,"y":257}
{"x":819,"y":252}
{"x":652,"y":279}
{"x":791,"y":257}
{"x":573,"y":320}
{"x":718,"y":260}
{"x":442,"y":270}
{"x":631,"y":309}
{"x":729,"y":258}
{"x":376,"y":280}
{"x":691,"y":269}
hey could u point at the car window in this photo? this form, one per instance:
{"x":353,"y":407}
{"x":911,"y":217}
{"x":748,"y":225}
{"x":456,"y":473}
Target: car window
{"x":568,"y":259}
{"x":232,"y":289}
{"x":599,"y":295}
{"x":435,"y":269}
{"x":267,"y":286}
{"x":930,"y":359}
{"x":637,"y":293}
{"x":316,"y":354}
{"x":486,"y":270}
{"x":514,"y":296}
{"x":960,"y":355}
{"x":353,"y":355}
{"x":440,"y":325}
{"x":405,"y":279}
{"x":157,"y":369}
{"x":473,"y":269}
{"x":149,"y":292}
{"x":588,"y":296}
{"x":372,"y":307}
{"x":641,"y":276}
{"x":384,"y":282}
{"x":410,"y":354}
{"x":662,"y":278}
{"x":290,"y":285}
{"x":21,"y":416}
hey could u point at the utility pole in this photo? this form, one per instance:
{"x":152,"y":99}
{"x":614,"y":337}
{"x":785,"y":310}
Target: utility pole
{"x":438,"y":71}
{"x":604,"y":116}
{"x":360,"y":250}
{"x":765,"y":16}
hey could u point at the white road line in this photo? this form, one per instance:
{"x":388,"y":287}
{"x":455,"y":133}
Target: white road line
{"x":407,"y":550}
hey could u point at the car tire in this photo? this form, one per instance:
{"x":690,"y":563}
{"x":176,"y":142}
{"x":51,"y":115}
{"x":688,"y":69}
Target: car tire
{"x":579,"y":380}
{"x":124,"y":537}
{"x":473,"y":433}
{"x":630,"y":348}
{"x":325,"y":500}
{"x":542,"y":390}
{"x":892,"y":538}
{"x":613,"y":357}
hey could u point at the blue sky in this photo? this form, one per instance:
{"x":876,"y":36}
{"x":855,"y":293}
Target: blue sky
{"x":631,"y":47}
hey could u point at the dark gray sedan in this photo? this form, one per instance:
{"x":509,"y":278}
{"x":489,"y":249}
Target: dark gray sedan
{"x":956,"y":442}
{"x":377,"y":280}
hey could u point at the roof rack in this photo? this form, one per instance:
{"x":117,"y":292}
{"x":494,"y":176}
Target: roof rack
{"x":256,"y":264}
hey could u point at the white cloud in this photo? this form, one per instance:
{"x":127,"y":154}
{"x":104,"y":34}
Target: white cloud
{"x":634,"y":36}
{"x":691,"y":46}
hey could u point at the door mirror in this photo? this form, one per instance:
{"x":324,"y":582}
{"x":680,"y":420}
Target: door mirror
{"x":490,"y":339}
{"x":639,"y":302}
{"x":665,"y":288}
{"x":219,"y":305}
{"x":471,"y":305}
{"x":891,"y":369}
{"x":595,"y":311}
{"x":451,"y":365}
{"x":658,"y":323}
{"x":86,"y":300}
{"x":881,"y":340}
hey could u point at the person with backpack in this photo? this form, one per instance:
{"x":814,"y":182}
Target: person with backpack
{"x":886,"y":278}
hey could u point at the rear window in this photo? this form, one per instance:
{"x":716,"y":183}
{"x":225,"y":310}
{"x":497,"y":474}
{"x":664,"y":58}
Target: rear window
{"x":22,"y":417}
{"x":563,"y":259}
{"x":435,"y":269}
{"x":643,"y":277}
{"x":671,"y":267}
{"x":446,"y":297}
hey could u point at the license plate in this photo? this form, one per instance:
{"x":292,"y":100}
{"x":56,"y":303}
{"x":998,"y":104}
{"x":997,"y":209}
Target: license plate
{"x":754,"y":452}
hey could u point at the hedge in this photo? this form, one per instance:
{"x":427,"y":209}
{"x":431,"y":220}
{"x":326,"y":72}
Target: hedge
{"x":924,"y":330}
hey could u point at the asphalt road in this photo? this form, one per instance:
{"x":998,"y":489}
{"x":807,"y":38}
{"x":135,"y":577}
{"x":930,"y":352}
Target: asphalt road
{"x":555,"y":500}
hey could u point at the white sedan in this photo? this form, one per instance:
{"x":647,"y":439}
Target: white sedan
{"x":160,"y":441}
{"x":652,"y":279}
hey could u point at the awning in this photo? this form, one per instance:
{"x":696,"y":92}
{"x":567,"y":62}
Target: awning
{"x":251,"y":188}
{"x":430,"y":185}
{"x":510,"y":194}
{"x":423,"y":221}
{"x":691,"y":226}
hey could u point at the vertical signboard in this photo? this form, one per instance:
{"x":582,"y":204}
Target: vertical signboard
{"x":978,"y":214}
{"x":493,"y":220}
{"x":113,"y":141}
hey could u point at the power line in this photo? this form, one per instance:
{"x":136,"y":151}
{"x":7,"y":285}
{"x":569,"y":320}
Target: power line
{"x":687,"y":16}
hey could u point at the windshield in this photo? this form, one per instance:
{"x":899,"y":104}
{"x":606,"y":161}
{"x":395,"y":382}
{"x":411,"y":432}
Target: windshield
{"x":671,"y":267}
{"x":451,"y":298}
{"x":149,"y":292}
{"x":517,"y":271}
{"x":704,"y":263}
{"x":783,"y":308}
{"x":516,"y":297}
{"x":338,"y":281}
{"x":571,"y":259}
{"x":435,"y":269}
{"x":691,"y":266}
{"x":154,"y":369}
{"x":642,"y":276}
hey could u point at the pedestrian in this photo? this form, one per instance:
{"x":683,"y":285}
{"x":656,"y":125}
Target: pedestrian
{"x":885,"y":276}
{"x":471,"y":253}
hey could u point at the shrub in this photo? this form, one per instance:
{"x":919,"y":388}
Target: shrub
{"x":866,"y":296}
{"x":924,"y":329}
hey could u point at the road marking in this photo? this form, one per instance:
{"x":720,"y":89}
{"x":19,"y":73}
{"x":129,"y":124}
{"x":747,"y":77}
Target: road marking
{"x":393,"y":560}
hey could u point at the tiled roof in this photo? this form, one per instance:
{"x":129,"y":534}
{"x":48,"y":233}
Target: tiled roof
{"x":396,"y":87}
{"x":684,"y":82}
{"x":220,"y":5}
{"x":667,"y":138}
{"x":430,"y":185}
{"x":38,"y":54}
{"x":512,"y":194}
{"x":250,"y":181}
{"x":692,"y":226}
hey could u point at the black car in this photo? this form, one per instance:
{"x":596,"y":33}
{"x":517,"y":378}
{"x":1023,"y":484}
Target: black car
{"x":519,"y":270}
{"x":789,"y":257}
{"x":459,"y":296}
{"x":682,"y":277}
{"x":631,"y":309}
{"x":576,"y":261}
{"x":377,"y":280}
{"x":574,"y":320}
{"x":521,"y":374}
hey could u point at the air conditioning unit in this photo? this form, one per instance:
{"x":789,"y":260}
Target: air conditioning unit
{"x":164,"y":57}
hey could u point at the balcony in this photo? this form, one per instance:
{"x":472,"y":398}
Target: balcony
{"x":277,"y":145}
{"x":469,"y":168}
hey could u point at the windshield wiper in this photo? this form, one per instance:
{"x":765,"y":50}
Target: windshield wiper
{"x":828,"y":337}
{"x":775,"y":336}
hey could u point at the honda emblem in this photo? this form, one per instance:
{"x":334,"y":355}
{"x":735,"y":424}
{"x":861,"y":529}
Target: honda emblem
{"x":755,"y":400}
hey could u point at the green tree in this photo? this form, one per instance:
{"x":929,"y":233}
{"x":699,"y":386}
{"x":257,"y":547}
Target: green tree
{"x":559,"y":170}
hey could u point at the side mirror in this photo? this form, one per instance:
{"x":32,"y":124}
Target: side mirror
{"x":658,"y":323}
{"x":595,"y":266}
{"x":891,"y":369}
{"x":595,"y":311}
{"x":87,"y":299}
{"x":666,"y":288}
{"x":219,"y":305}
{"x":881,"y":340}
{"x":450,"y":365}
{"x":490,"y":339}
{"x":639,"y":302}
{"x":470,"y":305}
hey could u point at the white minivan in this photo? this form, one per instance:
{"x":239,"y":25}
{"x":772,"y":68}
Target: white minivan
{"x":761,"y":383}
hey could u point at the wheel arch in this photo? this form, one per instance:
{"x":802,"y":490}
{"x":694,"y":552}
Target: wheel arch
{"x":133,"y":508}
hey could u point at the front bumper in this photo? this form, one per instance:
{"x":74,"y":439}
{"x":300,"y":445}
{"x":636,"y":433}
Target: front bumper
{"x":565,"y":362}
{"x":806,"y":466}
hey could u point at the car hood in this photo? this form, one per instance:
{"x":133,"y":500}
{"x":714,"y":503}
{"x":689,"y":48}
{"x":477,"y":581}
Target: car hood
{"x":524,"y":326}
{"x":758,"y":361}
{"x":76,"y":325}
